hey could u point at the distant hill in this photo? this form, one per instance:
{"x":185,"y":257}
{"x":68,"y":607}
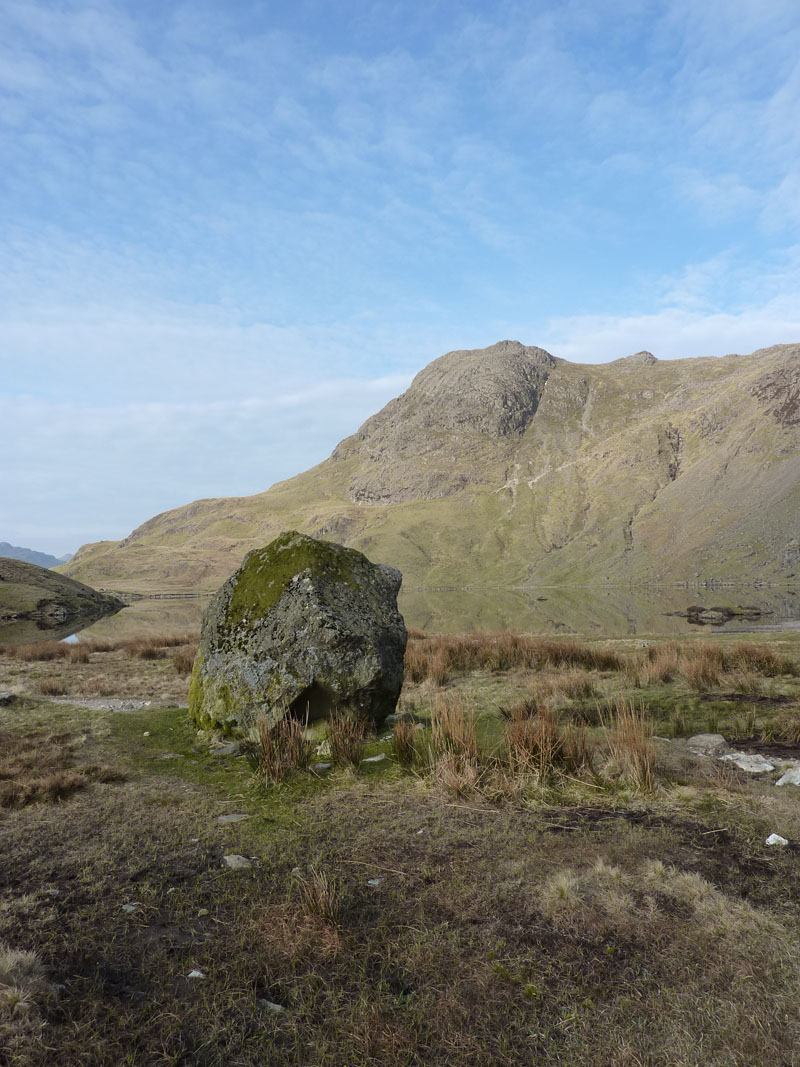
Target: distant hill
{"x":30,"y":555}
{"x":31,"y":592}
{"x":506,"y":466}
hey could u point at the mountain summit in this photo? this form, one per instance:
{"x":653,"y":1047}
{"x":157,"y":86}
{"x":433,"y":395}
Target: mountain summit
{"x":508,"y":466}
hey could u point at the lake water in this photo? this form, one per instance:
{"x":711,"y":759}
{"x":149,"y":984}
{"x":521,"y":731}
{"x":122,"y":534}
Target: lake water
{"x":604,"y":612}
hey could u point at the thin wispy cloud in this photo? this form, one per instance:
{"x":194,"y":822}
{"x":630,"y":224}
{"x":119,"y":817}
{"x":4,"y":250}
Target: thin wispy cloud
{"x":211,"y":209}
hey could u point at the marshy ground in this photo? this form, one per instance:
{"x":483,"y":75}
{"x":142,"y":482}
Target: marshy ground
{"x":515,"y":883}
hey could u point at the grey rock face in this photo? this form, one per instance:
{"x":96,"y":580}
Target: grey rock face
{"x":302,"y":627}
{"x":480,"y":395}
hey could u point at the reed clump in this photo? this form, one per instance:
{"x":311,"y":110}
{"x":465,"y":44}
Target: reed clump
{"x":347,"y":735}
{"x":629,"y":739}
{"x":282,"y":747}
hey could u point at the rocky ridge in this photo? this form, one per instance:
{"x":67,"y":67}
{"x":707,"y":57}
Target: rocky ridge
{"x":509,"y":466}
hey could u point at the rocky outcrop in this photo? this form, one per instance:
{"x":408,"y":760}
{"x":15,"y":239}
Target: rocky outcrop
{"x":415,"y":446}
{"x":302,"y":627}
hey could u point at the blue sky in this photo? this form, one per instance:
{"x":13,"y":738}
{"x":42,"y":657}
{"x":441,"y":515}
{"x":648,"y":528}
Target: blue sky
{"x":229,"y":232}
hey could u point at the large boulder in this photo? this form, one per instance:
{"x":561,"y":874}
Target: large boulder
{"x":302,"y":627}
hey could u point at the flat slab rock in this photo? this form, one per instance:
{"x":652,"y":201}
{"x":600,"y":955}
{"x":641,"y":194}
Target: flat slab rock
{"x":752,"y":762}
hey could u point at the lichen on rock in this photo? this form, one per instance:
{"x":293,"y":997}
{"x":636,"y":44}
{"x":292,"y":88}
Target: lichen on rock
{"x":302,"y":627}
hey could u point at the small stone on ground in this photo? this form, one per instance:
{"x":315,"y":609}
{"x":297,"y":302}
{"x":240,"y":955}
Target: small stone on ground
{"x":270,"y":1005}
{"x":226,"y":820}
{"x":237,"y":863}
{"x":375,"y":759}
{"x":791,"y":777}
{"x":231,"y":749}
{"x":776,"y":839}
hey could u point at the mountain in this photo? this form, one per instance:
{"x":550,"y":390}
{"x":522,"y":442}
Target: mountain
{"x":508,"y":466}
{"x":31,"y":592}
{"x":29,"y":555}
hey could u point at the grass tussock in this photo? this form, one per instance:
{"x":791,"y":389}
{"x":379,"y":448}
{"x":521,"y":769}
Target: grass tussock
{"x":348,"y":733}
{"x":282,"y":748}
{"x":405,"y":743}
{"x":629,"y":739}
{"x":453,"y":727}
{"x":540,"y":744}
{"x":183,"y":659}
{"x":50,"y":687}
{"x":319,"y":896}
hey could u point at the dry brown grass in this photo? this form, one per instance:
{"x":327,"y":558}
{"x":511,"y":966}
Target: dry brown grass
{"x":438,"y":656}
{"x":542,"y":745}
{"x":789,"y":726}
{"x":453,"y":726}
{"x":183,"y":659}
{"x":41,"y":767}
{"x":347,"y":735}
{"x":147,"y":647}
{"x":50,"y":687}
{"x":319,"y":896}
{"x":629,"y":738}
{"x":761,"y":659}
{"x":282,"y":748}
{"x":702,"y":666}
{"x":405,"y":743}
{"x":42,"y":651}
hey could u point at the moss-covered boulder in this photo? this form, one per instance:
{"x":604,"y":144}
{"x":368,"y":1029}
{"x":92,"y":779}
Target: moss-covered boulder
{"x":303,"y":626}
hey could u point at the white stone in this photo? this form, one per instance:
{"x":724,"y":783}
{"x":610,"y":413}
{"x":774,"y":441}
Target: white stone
{"x":375,"y":881}
{"x":195,"y":974}
{"x":375,"y":759}
{"x":237,"y":863}
{"x":129,"y":907}
{"x":791,"y":777}
{"x":270,"y":1005}
{"x":225,"y":820}
{"x":753,"y":763}
{"x":776,"y":839}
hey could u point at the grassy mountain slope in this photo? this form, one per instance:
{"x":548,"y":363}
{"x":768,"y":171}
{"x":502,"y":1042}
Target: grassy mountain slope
{"x":507,"y":466}
{"x":28,"y":591}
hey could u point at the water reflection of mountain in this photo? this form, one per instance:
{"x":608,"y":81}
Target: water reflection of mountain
{"x":592,"y":612}
{"x":28,"y":631}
